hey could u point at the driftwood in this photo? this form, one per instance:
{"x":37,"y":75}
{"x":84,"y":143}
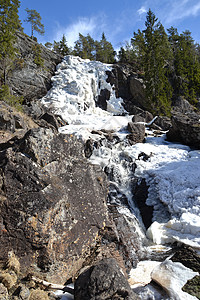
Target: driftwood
{"x":54,"y":286}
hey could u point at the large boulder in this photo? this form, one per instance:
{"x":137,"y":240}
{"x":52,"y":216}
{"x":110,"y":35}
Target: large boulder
{"x":185,"y":129}
{"x":52,"y":204}
{"x":102,"y":281}
{"x":137,"y":133}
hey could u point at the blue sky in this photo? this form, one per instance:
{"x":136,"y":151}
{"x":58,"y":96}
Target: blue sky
{"x":117,"y":18}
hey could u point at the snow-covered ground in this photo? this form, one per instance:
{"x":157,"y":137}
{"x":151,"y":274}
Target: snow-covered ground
{"x":172,"y":171}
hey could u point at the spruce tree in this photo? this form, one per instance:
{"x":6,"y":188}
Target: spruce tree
{"x":63,"y":49}
{"x":35,"y":19}
{"x":186,"y":65}
{"x":127,"y":54}
{"x":154,"y":52}
{"x":105,"y":51}
{"x":9,"y":24}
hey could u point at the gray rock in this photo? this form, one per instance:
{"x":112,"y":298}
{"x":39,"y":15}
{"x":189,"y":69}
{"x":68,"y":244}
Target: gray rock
{"x":103,"y":281}
{"x":185,"y":129}
{"x":181,"y":105}
{"x":137,"y":132}
{"x":27,"y":79}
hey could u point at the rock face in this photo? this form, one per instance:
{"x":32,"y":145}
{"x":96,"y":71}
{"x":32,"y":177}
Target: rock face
{"x":185,"y":129}
{"x":52,"y":215}
{"x":103,"y":281}
{"x":128,"y":85}
{"x":28,"y":78}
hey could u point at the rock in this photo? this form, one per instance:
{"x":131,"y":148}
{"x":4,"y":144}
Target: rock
{"x":55,"y":121}
{"x":172,"y":277}
{"x":193,"y":287}
{"x":138,"y":118}
{"x":102,"y":99}
{"x":188,"y":257}
{"x":181,"y":105}
{"x":137,"y":91}
{"x":3,"y":292}
{"x":13,"y":123}
{"x":128,"y":85}
{"x":140,"y":196}
{"x":163,"y":122}
{"x":185,"y":129}
{"x":103,"y":281}
{"x":88,"y":148}
{"x":38,"y":295}
{"x":27,"y":79}
{"x":130,"y":239}
{"x":137,"y":133}
{"x":52,"y":204}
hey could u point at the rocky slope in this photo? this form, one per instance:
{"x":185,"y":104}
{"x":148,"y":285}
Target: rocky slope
{"x":31,"y":73}
{"x":53,"y":202}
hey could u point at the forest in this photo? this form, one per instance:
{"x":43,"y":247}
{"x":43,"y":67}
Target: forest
{"x":167,"y":61}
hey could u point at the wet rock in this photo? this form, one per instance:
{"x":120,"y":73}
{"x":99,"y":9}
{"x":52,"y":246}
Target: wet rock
{"x":102,"y":99}
{"x":88,"y":148}
{"x":52,"y":204}
{"x":137,"y":133}
{"x":172,"y":276}
{"x":140,"y":196}
{"x":131,"y":237}
{"x":103,"y":281}
{"x":185,"y":129}
{"x":192,"y":287}
{"x":188,"y":257}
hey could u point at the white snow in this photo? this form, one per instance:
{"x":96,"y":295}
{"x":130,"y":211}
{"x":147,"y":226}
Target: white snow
{"x":172,"y":171}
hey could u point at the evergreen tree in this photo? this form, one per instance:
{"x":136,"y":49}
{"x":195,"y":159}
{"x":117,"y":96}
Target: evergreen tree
{"x":153,"y":51}
{"x":35,"y":19}
{"x":127,"y":54}
{"x":61,"y":47}
{"x":105,"y":51}
{"x":186,"y":65}
{"x":85,"y":47}
{"x":9,"y":24}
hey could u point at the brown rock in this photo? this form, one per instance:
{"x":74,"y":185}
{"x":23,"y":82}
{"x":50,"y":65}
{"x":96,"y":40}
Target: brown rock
{"x":53,"y":204}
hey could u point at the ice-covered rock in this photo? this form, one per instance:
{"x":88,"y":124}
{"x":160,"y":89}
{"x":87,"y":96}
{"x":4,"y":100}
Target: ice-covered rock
{"x":172,"y":277}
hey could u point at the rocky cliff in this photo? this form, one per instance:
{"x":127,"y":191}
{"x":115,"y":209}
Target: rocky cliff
{"x":30,"y":75}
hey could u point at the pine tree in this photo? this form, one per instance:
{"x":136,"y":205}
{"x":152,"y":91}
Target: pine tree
{"x":9,"y":24}
{"x":153,"y":52}
{"x":35,"y":19}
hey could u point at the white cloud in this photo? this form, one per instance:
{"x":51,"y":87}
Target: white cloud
{"x":142,"y":10}
{"x":182,"y":9}
{"x":94,"y":26}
